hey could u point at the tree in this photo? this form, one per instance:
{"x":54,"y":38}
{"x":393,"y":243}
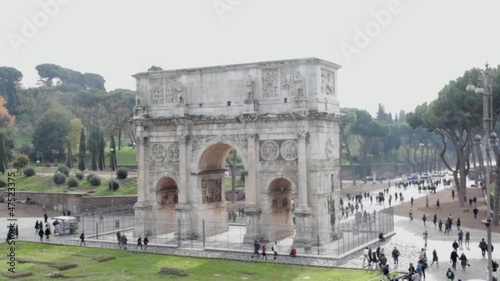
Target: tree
{"x":94,"y":81}
{"x":6,"y":120}
{"x":455,"y":116}
{"x":345,"y":132}
{"x":101,"y":159}
{"x":21,"y":161}
{"x":119,"y":106}
{"x":3,"y":155}
{"x":48,"y":72}
{"x":69,"y":155}
{"x":73,"y":137}
{"x":82,"y":166}
{"x":232,"y":165}
{"x":9,"y":79}
{"x":93,"y":145}
{"x":50,"y":133}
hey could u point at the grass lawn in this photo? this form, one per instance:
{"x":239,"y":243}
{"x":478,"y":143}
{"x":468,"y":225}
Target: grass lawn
{"x":139,"y":266}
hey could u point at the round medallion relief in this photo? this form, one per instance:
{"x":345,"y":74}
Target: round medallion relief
{"x":269,"y":150}
{"x":329,"y":148}
{"x":173,"y":152}
{"x":289,"y":150}
{"x":158,"y":152}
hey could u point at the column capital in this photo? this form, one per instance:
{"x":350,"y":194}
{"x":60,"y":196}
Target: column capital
{"x":183,"y":139}
{"x":303,"y":136}
{"x":253,"y":136}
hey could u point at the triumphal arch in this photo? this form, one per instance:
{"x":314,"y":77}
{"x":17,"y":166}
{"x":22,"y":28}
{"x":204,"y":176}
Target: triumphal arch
{"x":281,"y":117}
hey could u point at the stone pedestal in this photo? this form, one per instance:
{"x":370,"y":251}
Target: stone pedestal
{"x":303,"y":232}
{"x":254,"y":231}
{"x":143,"y":220}
{"x":185,"y":222}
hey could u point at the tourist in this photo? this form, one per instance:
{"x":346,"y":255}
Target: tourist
{"x":438,"y":205}
{"x":45,"y":217}
{"x":365,"y":256}
{"x":374,"y":259}
{"x":124,"y":241}
{"x":435,"y":258}
{"x":274,"y":248}
{"x":440,"y":224}
{"x":385,"y":270}
{"x":256,"y":248}
{"x":411,"y":201}
{"x":420,"y":269}
{"x":424,"y":219}
{"x":434,"y":220}
{"x":411,"y":269}
{"x":47,"y":233}
{"x":483,"y":246}
{"x":119,"y":238}
{"x":36,"y":226}
{"x":411,"y":214}
{"x":293,"y":252}
{"x":460,"y":236}
{"x":463,"y":261}
{"x":382,"y":261}
{"x":82,"y":239}
{"x":395,"y":256}
{"x":454,"y":245}
{"x":139,"y":242}
{"x":264,"y":255}
{"x":467,"y":238}
{"x":475,"y":211}
{"x":450,"y":275}
{"x":453,"y":259}
{"x":146,"y":242}
{"x":41,"y":233}
{"x":458,"y":223}
{"x":453,"y":194}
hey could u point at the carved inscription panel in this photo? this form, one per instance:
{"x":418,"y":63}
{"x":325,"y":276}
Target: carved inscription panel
{"x":269,"y":83}
{"x":211,"y":190}
{"x":327,"y":82}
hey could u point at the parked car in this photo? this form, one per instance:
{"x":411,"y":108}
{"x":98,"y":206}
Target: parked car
{"x":412,"y":177}
{"x":369,"y":178}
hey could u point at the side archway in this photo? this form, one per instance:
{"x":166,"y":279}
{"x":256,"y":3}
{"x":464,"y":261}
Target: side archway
{"x":166,"y":200}
{"x":280,"y":209}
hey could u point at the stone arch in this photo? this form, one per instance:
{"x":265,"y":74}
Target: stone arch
{"x":223,"y":145}
{"x":166,"y":201}
{"x":280,"y":208}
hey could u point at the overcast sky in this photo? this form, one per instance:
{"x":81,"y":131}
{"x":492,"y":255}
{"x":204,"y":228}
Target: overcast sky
{"x":396,"y":52}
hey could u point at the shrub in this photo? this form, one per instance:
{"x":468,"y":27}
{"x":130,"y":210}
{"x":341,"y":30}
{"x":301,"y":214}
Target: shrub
{"x":63,"y":169}
{"x":122,"y":173}
{"x":89,"y":176}
{"x":72,"y":182}
{"x":114,"y":185}
{"x":95,"y":180}
{"x":79,"y":175}
{"x":59,"y":178}
{"x":2,"y":183}
{"x":29,"y":171}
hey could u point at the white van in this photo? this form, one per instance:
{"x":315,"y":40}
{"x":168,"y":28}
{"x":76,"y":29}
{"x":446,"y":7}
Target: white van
{"x":65,"y":225}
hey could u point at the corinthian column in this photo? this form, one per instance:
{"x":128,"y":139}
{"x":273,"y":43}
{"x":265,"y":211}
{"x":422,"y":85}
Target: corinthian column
{"x":183,"y":174}
{"x":251,"y":179}
{"x":302,"y":169}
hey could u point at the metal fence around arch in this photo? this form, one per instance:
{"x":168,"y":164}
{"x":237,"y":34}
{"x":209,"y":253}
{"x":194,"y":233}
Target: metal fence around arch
{"x":348,"y":236}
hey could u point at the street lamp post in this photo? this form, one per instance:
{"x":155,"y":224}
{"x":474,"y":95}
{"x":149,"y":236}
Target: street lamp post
{"x":58,"y":194}
{"x":38,"y":156}
{"x":421,"y":158}
{"x":111,"y":164}
{"x":487,"y":119}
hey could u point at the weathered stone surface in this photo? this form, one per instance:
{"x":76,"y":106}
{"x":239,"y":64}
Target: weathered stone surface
{"x":281,"y":117}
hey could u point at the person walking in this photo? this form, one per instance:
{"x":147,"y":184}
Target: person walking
{"x":450,"y":275}
{"x":475,"y":211}
{"x":119,"y":238}
{"x":256,"y":248}
{"x":411,"y":201}
{"x":440,"y":224}
{"x":438,"y":204}
{"x":45,"y":217}
{"x":463,"y":261}
{"x":460,"y":237}
{"x":411,"y":214}
{"x":264,"y":255}
{"x":124,"y":241}
{"x":395,"y":256}
{"x":82,"y":239}
{"x":467,"y":238}
{"x":434,"y":220}
{"x":47,"y":233}
{"x":453,"y":194}
{"x":424,"y":219}
{"x":435,"y":258}
{"x":36,"y":227}
{"x":453,"y":259}
{"x":458,"y":223}
{"x":146,"y":242}
{"x":139,"y":242}
{"x":454,"y":245}
{"x":274,"y":248}
{"x":483,"y":246}
{"x":41,"y":233}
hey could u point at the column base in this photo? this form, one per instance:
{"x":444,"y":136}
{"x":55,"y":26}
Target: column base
{"x":184,"y":222}
{"x":252,"y":217}
{"x":303,"y":231}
